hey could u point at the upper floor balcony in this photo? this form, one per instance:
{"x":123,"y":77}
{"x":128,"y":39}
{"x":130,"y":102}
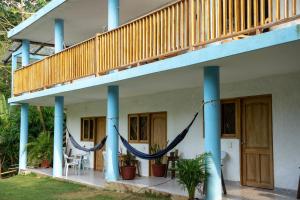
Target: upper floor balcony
{"x":183,"y":25}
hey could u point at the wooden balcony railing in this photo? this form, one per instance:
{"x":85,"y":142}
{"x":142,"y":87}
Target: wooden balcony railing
{"x":182,"y":26}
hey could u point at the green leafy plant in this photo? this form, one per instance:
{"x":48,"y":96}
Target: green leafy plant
{"x":128,"y":160}
{"x":40,"y":149}
{"x":9,"y":135}
{"x":154,"y":149}
{"x":192,"y":172}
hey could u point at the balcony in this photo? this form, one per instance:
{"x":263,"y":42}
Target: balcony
{"x":185,"y":25}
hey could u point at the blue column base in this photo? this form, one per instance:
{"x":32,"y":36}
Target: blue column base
{"x":212,"y":124}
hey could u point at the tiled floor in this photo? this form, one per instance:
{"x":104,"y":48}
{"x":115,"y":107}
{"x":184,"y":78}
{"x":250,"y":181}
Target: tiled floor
{"x":235,"y":191}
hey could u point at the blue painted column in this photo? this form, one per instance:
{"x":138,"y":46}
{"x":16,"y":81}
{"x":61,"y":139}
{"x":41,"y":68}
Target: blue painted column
{"x":23,"y":137}
{"x":59,"y":107}
{"x":212,"y":127}
{"x":112,"y":144}
{"x":14,"y":64}
{"x":24,"y":114}
{"x":25,"y":52}
{"x":59,"y":35}
{"x":58,"y":137}
{"x":113,"y":14}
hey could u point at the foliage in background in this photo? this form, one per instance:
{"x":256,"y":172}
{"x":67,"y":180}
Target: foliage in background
{"x":9,"y":137}
{"x":40,"y":149}
{"x":10,"y":129}
{"x":12,"y":12}
{"x":192,"y":173}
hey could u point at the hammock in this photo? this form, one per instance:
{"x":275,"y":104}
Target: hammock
{"x":95,"y":148}
{"x":161,"y":153}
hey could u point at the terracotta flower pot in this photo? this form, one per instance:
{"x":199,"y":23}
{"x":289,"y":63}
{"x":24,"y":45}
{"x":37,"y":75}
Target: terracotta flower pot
{"x":45,"y":164}
{"x":159,"y":170}
{"x":128,"y":172}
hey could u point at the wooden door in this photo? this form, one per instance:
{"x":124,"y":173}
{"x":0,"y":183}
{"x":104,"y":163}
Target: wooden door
{"x":257,"y":144}
{"x":158,"y":131}
{"x":100,"y":134}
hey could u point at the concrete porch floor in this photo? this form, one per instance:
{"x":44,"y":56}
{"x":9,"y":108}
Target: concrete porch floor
{"x":167,"y":185}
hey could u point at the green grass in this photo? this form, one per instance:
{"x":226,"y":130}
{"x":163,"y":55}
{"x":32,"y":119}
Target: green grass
{"x":31,"y":187}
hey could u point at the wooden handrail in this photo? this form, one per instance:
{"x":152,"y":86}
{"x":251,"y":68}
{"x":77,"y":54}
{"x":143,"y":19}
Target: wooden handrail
{"x":172,"y":29}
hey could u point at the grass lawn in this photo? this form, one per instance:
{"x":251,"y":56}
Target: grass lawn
{"x":31,"y":187}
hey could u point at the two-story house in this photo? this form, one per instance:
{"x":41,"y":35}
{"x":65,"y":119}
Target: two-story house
{"x":148,"y":66}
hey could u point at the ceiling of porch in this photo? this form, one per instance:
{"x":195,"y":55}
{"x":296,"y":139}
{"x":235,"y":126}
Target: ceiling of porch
{"x":82,"y":19}
{"x":245,"y":66}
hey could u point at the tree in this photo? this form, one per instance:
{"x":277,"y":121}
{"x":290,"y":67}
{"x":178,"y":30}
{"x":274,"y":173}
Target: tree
{"x":12,"y":12}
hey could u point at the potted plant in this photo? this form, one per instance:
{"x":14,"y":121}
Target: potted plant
{"x":158,"y":168}
{"x":128,"y":169}
{"x":40,"y":151}
{"x":191,"y":173}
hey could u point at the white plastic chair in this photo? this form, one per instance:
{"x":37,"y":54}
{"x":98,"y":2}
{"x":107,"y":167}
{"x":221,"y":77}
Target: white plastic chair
{"x":70,"y":162}
{"x":224,"y":154}
{"x":85,"y":162}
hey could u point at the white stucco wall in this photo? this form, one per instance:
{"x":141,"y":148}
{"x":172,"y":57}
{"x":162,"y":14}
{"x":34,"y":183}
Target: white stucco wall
{"x":181,"y":105}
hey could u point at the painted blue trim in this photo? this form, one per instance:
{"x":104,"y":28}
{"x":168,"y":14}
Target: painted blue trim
{"x":18,"y":52}
{"x":265,"y":40}
{"x":58,"y":137}
{"x":59,"y":35}
{"x":14,"y":65}
{"x":113,"y":14}
{"x":23,"y":136}
{"x":32,"y":56}
{"x":36,"y":57}
{"x":35,"y":17}
{"x":25,"y":52}
{"x":212,"y":128}
{"x":112,"y":144}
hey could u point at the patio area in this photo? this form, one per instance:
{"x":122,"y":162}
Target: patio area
{"x":169,"y":186}
{"x":90,"y":177}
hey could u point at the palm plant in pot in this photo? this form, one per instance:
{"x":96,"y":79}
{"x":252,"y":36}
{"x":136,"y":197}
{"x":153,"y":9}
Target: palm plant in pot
{"x":192,"y":172}
{"x":40,"y":151}
{"x":158,"y":168}
{"x":128,"y":169}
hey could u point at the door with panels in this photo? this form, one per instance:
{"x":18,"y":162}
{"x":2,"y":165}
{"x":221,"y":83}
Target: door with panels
{"x":256,"y":142}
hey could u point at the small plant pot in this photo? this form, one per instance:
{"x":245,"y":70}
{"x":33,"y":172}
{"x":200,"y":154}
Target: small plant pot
{"x":159,"y":170}
{"x":45,"y":164}
{"x":128,"y":172}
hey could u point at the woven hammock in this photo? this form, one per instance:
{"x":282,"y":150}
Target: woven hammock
{"x":97,"y":147}
{"x":160,"y":153}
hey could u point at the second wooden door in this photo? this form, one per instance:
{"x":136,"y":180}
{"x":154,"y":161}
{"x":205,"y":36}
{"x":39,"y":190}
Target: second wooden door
{"x":100,"y":134}
{"x":257,"y":150}
{"x":158,"y":131}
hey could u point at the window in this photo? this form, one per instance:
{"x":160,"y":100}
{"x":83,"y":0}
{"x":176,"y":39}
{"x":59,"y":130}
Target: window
{"x":138,"y":128}
{"x":88,"y":128}
{"x":230,"y":118}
